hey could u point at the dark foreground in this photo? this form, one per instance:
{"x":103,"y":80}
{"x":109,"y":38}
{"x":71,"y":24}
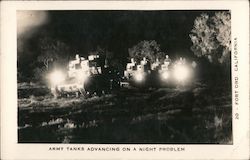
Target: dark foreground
{"x":202,"y":114}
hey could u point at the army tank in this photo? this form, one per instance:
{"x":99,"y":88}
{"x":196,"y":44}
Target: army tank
{"x":85,"y":76}
{"x":165,"y":73}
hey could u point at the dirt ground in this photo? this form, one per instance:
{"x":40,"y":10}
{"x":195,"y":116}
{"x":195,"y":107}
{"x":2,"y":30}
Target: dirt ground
{"x":201,"y":114}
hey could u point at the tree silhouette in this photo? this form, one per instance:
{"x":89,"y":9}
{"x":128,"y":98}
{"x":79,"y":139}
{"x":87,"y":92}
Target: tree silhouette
{"x":211,"y":37}
{"x":148,"y":49}
{"x":53,"y":53}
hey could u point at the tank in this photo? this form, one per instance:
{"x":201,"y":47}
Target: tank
{"x":85,"y":76}
{"x":138,"y":74}
{"x":163,"y":73}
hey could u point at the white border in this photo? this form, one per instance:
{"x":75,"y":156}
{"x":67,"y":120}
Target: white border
{"x":11,"y":150}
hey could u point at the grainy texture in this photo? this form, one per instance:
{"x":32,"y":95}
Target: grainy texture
{"x":202,"y":114}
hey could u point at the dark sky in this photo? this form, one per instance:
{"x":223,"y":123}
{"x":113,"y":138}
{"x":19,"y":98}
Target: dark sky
{"x":115,"y":31}
{"x":119,"y":30}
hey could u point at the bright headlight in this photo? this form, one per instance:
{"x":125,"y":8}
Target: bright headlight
{"x":81,"y":76}
{"x":56,"y":77}
{"x":139,"y":77}
{"x":181,"y":72}
{"x":85,"y":77}
{"x":165,"y":75}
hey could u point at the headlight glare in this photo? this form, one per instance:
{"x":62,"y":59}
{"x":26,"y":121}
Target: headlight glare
{"x":181,"y":72}
{"x":165,"y":75}
{"x":139,"y":77}
{"x":56,"y":77}
{"x":81,"y":76}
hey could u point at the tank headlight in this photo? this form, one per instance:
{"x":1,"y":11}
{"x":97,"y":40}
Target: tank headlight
{"x":81,"y":76}
{"x":139,"y":76}
{"x":165,"y":75}
{"x":181,"y":72}
{"x":56,"y":77}
{"x":85,"y":77}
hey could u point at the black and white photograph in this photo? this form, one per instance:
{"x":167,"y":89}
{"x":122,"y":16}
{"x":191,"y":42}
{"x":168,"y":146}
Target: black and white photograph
{"x":124,"y":76}
{"x":116,"y":80}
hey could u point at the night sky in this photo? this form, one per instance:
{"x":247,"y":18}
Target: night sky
{"x":116,"y":31}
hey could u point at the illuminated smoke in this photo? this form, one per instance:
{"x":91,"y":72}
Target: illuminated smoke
{"x":28,"y":23}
